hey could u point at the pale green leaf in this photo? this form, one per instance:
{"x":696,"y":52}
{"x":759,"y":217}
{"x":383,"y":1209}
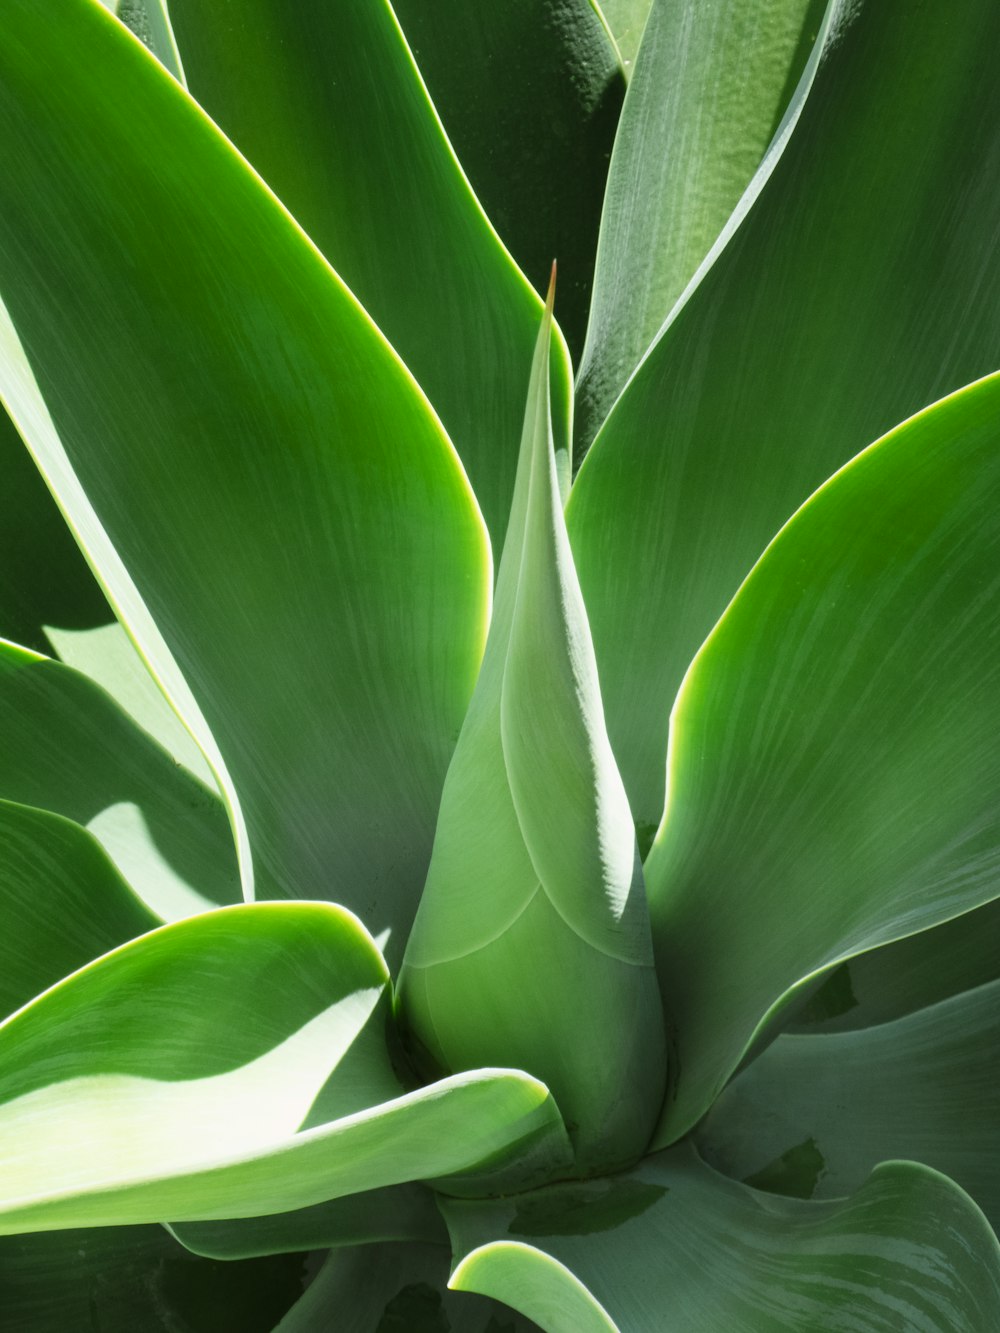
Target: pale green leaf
{"x":673,"y":1246}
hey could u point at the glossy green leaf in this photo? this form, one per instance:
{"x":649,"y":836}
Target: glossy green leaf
{"x":813,"y":1114}
{"x":858,"y":288}
{"x":138,"y":1280}
{"x":530,"y":93}
{"x":125,"y":1089}
{"x":823,"y":801}
{"x":395,"y":1289}
{"x":709,"y":91}
{"x":674,"y":1246}
{"x":64,"y":904}
{"x":398,"y":1213}
{"x":67,"y":748}
{"x":44,"y":580}
{"x":531,"y":945}
{"x":326,"y":102}
{"x":294,"y":519}
{"x":900,"y":978}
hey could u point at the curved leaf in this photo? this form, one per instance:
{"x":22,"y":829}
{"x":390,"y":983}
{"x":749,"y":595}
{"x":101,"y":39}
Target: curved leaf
{"x":531,"y":944}
{"x":395,"y":1289}
{"x":398,"y":1213}
{"x":626,"y":20}
{"x":67,"y":748}
{"x":64,"y":904}
{"x":858,"y":288}
{"x":137,"y":1280}
{"x":530,"y":93}
{"x":150,"y":22}
{"x":232,"y":1065}
{"x":333,"y":669}
{"x":813,"y":1114}
{"x":676,"y":1247}
{"x":362,"y":162}
{"x":833,"y":782}
{"x":910,"y":974}
{"x":708,"y":93}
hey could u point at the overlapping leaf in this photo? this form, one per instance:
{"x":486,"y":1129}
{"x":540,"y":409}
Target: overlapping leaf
{"x":859,"y":288}
{"x":325,"y":101}
{"x":833,"y":782}
{"x":673,"y":1246}
{"x":533,"y":926}
{"x":280,"y":493}
{"x":232,"y":1065}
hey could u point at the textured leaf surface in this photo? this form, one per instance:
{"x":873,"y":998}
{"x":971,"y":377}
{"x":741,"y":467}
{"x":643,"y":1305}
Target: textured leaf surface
{"x":67,"y":748}
{"x":231,"y":1065}
{"x":833,"y":781}
{"x":395,"y":1289}
{"x":138,"y":1280}
{"x":528,"y":92}
{"x":813,"y":1114}
{"x":325,"y":101}
{"x":676,"y":1247}
{"x":281,"y":494}
{"x":531,"y":945}
{"x":63,"y":903}
{"x":708,"y":93}
{"x":860,"y":287}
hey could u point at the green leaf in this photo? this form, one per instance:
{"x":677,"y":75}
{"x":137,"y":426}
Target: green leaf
{"x":709,"y":91}
{"x":626,"y":20}
{"x":44,"y":580}
{"x":354,"y":148}
{"x":676,"y":1247}
{"x":125,"y":1089}
{"x":922,"y":1087}
{"x":395,"y":1289}
{"x":138,"y":1280}
{"x":69,"y":749}
{"x":295,"y":521}
{"x":530,"y":93}
{"x":150,"y":22}
{"x":398,"y":1213}
{"x":858,"y":288}
{"x":899,"y":978}
{"x":833,"y":780}
{"x":64,"y":904}
{"x":533,"y":925}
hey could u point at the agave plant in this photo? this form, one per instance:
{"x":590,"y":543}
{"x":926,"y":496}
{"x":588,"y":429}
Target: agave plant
{"x":607,"y":944}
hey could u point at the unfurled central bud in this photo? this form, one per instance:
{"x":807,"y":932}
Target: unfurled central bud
{"x":531,"y":947}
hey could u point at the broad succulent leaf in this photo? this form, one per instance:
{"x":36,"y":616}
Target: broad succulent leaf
{"x":858,"y":288}
{"x":800,"y":825}
{"x":530,"y":92}
{"x":674,"y":1246}
{"x":814,"y":1114}
{"x":288,"y":85}
{"x":681,"y":162}
{"x":319,"y":559}
{"x":533,"y":922}
{"x":70,"y":750}
{"x":276,"y":1006}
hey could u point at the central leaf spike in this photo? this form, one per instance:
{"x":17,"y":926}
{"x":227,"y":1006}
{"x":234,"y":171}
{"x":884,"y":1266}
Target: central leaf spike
{"x":531,"y":947}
